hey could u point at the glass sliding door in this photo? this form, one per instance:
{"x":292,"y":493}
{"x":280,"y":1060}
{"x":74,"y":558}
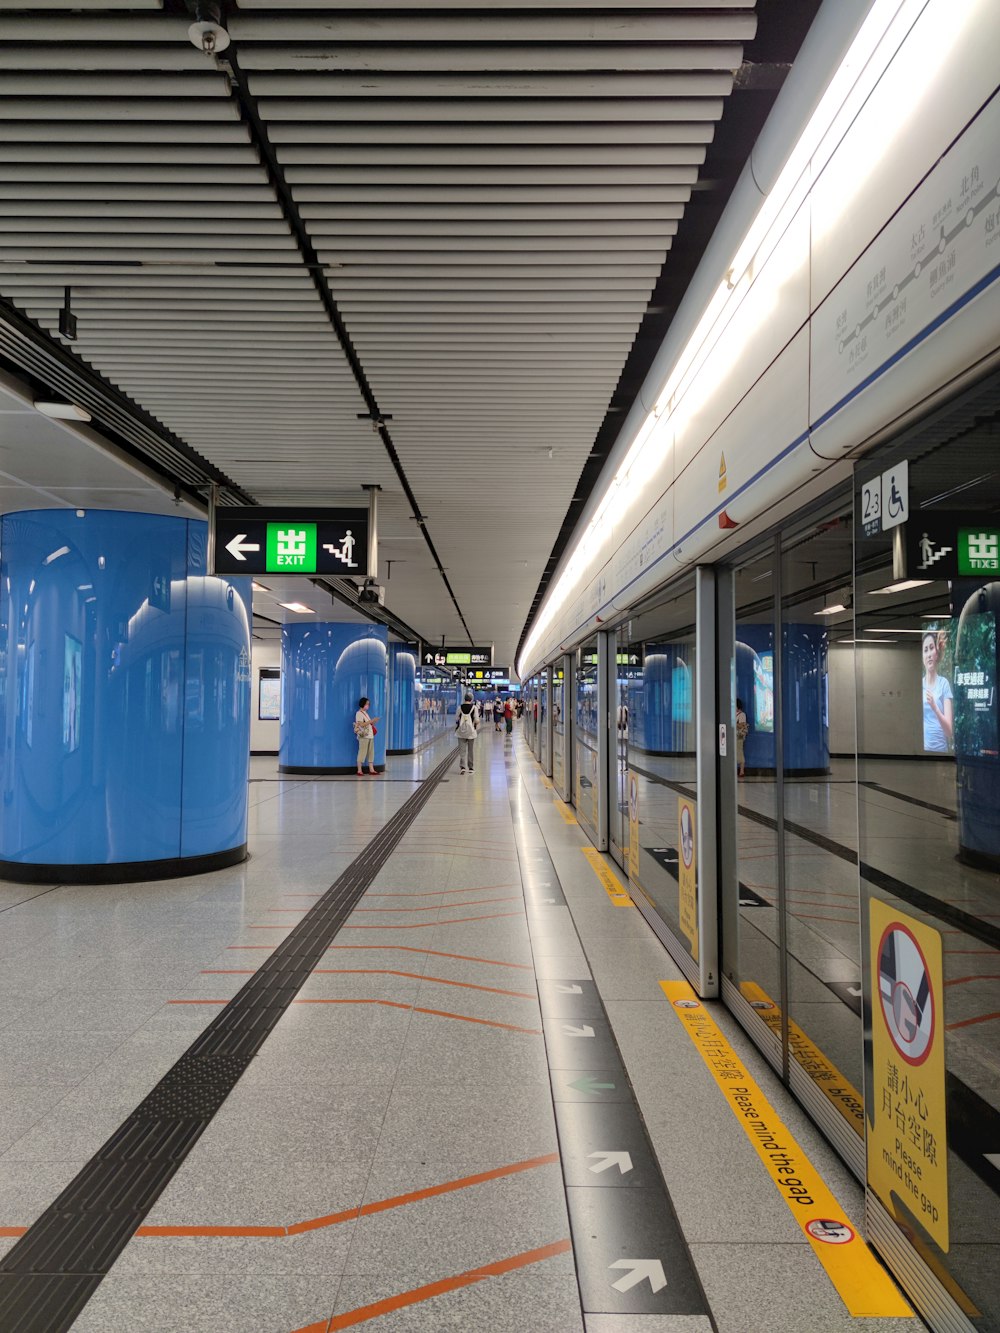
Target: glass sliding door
{"x":925,"y":659}
{"x":544,"y":720}
{"x":585,"y":739}
{"x":560,"y":775}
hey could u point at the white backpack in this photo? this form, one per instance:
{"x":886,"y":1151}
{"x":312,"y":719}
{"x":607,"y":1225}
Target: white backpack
{"x":467,"y":725}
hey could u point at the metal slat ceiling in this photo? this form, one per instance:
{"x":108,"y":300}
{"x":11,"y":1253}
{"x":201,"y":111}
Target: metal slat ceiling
{"x":457,"y":213}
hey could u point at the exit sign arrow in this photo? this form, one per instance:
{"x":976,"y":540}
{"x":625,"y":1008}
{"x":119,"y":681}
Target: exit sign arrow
{"x":239,"y":544}
{"x":641,"y":1270}
{"x":590,"y":1084}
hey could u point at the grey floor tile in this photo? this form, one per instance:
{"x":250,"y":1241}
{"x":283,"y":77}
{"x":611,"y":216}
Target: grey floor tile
{"x":742,"y":1303}
{"x":27,"y":1188}
{"x":219,"y":1303}
{"x":481,"y":1224}
{"x":502,"y":1123}
{"x":513,"y":1303}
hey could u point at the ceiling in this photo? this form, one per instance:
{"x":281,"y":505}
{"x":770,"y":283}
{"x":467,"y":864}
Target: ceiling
{"x":407,"y":246}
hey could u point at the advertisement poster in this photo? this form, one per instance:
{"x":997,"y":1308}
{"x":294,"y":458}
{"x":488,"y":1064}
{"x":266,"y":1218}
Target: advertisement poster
{"x":269,"y":705}
{"x":763,"y":692}
{"x":908,"y":1143}
{"x":975,"y":666}
{"x":680,"y":692}
{"x":633,"y":827}
{"x":687,"y":868}
{"x":937,"y":697}
{"x":72,"y":670}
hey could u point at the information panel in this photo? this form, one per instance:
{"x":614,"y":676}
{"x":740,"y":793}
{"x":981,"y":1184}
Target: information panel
{"x":458,"y":657}
{"x":297,"y":540}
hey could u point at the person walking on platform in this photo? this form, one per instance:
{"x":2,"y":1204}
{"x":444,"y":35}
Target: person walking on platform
{"x":364,"y":729}
{"x":742,"y":732}
{"x":497,"y":712}
{"x":508,"y":716}
{"x":467,"y":728}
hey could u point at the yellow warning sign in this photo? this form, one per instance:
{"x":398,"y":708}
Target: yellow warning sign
{"x":687,"y":871}
{"x":862,"y":1283}
{"x":908,"y":1141}
{"x":633,"y":826}
{"x":722,"y":472}
{"x":820,"y":1068}
{"x":612,"y":885}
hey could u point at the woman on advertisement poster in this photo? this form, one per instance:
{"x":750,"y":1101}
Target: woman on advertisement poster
{"x":939,"y":707}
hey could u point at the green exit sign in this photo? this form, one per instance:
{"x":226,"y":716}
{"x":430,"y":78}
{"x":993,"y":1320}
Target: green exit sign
{"x":979,"y":551}
{"x":291,"y":548}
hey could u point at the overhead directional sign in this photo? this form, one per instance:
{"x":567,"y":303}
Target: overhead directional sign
{"x":258,"y":540}
{"x":458,"y":657}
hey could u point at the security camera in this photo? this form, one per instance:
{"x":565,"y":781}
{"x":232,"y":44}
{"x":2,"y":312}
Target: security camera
{"x":372,"y":593}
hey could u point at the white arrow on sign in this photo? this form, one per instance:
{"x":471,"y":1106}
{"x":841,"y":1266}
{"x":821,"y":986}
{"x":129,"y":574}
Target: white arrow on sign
{"x":641,"y":1270}
{"x":622,"y":1160}
{"x":582,"y":1031}
{"x":570,"y":990}
{"x":238,"y":545}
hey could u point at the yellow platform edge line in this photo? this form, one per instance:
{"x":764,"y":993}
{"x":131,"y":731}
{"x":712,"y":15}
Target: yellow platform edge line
{"x":610,"y":882}
{"x":567,"y":814}
{"x":862,"y":1283}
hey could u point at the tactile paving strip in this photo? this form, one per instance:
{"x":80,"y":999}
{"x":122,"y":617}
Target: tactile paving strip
{"x":57,"y":1265}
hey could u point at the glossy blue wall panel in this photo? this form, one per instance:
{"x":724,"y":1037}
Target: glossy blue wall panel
{"x":325,"y":668}
{"x":93,"y":677}
{"x":216,"y":705}
{"x":804,"y":692}
{"x":402,"y":678}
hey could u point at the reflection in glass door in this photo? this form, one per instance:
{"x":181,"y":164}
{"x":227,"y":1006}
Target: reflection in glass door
{"x":559,"y":755}
{"x":585,"y":739}
{"x":618,"y":814}
{"x":792,"y":946}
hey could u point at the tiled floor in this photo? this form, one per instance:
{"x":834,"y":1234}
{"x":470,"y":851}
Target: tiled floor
{"x":390,"y":1157}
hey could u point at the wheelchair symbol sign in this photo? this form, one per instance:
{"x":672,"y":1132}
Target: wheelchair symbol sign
{"x":895,"y":496}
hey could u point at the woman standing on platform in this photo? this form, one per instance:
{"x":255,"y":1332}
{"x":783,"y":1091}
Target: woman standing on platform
{"x":364,"y":729}
{"x":508,"y":715}
{"x":467,"y":728}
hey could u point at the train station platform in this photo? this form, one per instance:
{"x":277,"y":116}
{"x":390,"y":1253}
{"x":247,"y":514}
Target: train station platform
{"x":417,"y":1064}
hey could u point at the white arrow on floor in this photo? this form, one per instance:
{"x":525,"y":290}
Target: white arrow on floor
{"x":642,"y":1270}
{"x":570,"y":990}
{"x":239,"y":544}
{"x":582,"y":1031}
{"x":622,"y":1160}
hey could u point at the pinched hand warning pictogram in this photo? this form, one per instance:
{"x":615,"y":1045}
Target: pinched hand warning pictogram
{"x":906,"y":995}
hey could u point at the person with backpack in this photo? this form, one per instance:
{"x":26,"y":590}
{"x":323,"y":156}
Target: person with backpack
{"x":364,"y":729}
{"x":467,"y":728}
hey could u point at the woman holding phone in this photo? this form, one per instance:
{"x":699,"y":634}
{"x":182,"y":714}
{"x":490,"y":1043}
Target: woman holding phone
{"x":364,"y":729}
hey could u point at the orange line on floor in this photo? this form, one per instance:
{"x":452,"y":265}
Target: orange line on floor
{"x":393,"y":1004}
{"x":424,"y":925}
{"x":409,"y":948}
{"x":13,"y":1231}
{"x":425,"y":1293}
{"x":434,"y":893}
{"x":347,"y":1214}
{"x":475,"y":903}
{"x":968,"y":1022}
{"x":403,"y":948}
{"x":373,"y":972}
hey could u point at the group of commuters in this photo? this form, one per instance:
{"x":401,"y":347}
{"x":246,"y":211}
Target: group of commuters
{"x":470,"y":714}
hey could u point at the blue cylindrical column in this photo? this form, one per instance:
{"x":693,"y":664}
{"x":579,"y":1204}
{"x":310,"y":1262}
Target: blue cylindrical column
{"x":402,"y":678}
{"x":804,"y":696}
{"x":124,"y":699}
{"x":324,"y":671}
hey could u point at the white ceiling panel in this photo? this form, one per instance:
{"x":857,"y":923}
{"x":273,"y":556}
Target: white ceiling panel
{"x":453,"y":215}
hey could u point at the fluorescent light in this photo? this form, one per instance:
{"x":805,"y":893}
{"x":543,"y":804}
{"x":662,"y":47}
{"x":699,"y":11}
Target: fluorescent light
{"x":892,"y":631}
{"x":63,"y":411}
{"x":899,"y":587}
{"x":297,"y":606}
{"x":259,"y":587}
{"x":866,"y":641}
{"x":830,"y":610}
{"x":54,"y":555}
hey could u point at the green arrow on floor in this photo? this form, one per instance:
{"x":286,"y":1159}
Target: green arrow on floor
{"x":588,"y":1084}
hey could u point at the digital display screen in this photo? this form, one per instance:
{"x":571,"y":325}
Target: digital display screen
{"x":763,"y":692}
